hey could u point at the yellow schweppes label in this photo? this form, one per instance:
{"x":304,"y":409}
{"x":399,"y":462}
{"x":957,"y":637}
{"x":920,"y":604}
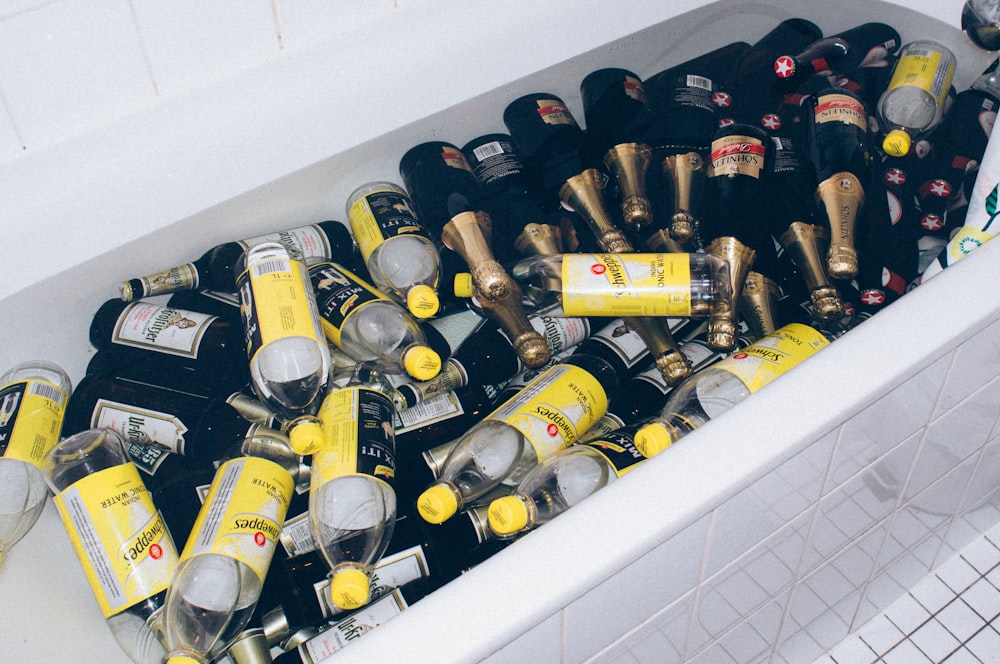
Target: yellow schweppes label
{"x":243,"y":513}
{"x":31,"y":416}
{"x":358,"y":436}
{"x":773,"y":355}
{"x":642,"y":284}
{"x":119,"y":536}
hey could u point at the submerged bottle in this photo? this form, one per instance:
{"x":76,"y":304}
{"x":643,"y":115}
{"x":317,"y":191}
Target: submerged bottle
{"x":913,"y":103}
{"x":550,"y":413}
{"x":865,"y":45}
{"x":33,"y":398}
{"x":370,"y":327}
{"x":289,"y":358}
{"x":117,"y":534}
{"x":397,"y":248}
{"x":214,"y":269}
{"x":222,"y":568}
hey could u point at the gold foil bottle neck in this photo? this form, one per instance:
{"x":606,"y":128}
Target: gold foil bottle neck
{"x":467,"y":234}
{"x":827,"y":303}
{"x":758,"y":302}
{"x":539,"y":240}
{"x":584,"y":194}
{"x":687,"y":173}
{"x":841,"y":197}
{"x":723,"y":321}
{"x":628,"y":163}
{"x":674,"y":367}
{"x":808,"y":244}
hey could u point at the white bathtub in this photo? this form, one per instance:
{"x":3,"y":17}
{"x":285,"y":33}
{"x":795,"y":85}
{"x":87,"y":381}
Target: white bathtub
{"x":766,"y":536}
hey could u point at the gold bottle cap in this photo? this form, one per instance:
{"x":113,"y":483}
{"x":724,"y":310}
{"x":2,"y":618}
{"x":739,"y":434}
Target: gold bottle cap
{"x":896,"y":143}
{"x":349,"y":588}
{"x":674,"y":367}
{"x":682,"y":227}
{"x":842,"y":262}
{"x":422,"y":301}
{"x":533,"y":350}
{"x":422,"y":362}
{"x":827,"y":303}
{"x":636,"y":212}
{"x":463,"y":285}
{"x":508,"y":515}
{"x":721,"y":335}
{"x":652,"y":439}
{"x":437,"y":504}
{"x":126,"y":291}
{"x":306,"y":437}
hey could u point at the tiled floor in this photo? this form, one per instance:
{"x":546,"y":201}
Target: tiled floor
{"x":952,"y":616}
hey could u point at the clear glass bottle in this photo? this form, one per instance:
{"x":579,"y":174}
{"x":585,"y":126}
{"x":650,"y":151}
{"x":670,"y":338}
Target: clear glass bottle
{"x":913,"y":103}
{"x":397,"y":248}
{"x":288,"y":353}
{"x":33,"y":398}
{"x":107,"y":512}
{"x":222,"y":568}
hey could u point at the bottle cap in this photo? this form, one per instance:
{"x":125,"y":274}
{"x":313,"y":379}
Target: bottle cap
{"x":422,"y":301}
{"x":183,"y":659}
{"x":652,"y":439}
{"x":896,"y":143}
{"x":349,"y":588}
{"x":463,"y":285}
{"x":422,"y":362}
{"x":306,"y":437}
{"x":508,"y":515}
{"x":437,"y":504}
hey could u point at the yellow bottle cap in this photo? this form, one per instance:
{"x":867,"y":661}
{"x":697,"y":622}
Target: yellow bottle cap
{"x":508,"y":515}
{"x":349,"y":588}
{"x":437,"y":504}
{"x":422,"y":362}
{"x":463,"y":285}
{"x":306,"y":438}
{"x":183,"y":659}
{"x":422,"y":301}
{"x":896,"y":143}
{"x":652,"y":439}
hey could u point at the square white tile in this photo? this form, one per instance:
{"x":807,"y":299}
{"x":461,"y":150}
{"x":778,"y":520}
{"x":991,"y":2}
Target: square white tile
{"x":907,"y":614}
{"x":934,"y":640}
{"x":905,"y":653}
{"x":881,"y":634}
{"x":962,"y":656}
{"x":932,"y":593}
{"x":853,"y":651}
{"x":959,"y":619}
{"x":975,"y":363}
{"x":957,"y":573}
{"x":985,"y":645}
{"x":982,"y":554}
{"x":983,"y":598}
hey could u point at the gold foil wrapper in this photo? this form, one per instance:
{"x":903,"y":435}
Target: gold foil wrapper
{"x":723,"y":322}
{"x":841,"y":196}
{"x":628,"y":163}
{"x":687,"y":172}
{"x":808,"y":244}
{"x":584,"y":193}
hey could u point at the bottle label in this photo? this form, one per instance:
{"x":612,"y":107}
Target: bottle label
{"x":435,"y":409}
{"x":921,"y":68}
{"x":296,"y":536}
{"x":618,"y":447}
{"x":301,"y":243}
{"x":555,"y":408}
{"x":31,"y":416}
{"x":161,"y":329}
{"x":737,"y":154}
{"x":380,"y":216}
{"x":119,"y":536}
{"x":625,"y":285}
{"x":336,"y":637}
{"x":623,"y":342}
{"x":339,"y":293}
{"x":773,"y":355}
{"x":391,"y":572}
{"x":142,"y":426}
{"x":841,"y":108}
{"x":243,"y":513}
{"x":146,"y":458}
{"x":181,"y":278}
{"x":553,"y":111}
{"x":274,"y":301}
{"x":357,"y":428}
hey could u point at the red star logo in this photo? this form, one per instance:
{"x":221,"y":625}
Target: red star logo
{"x":873,"y":298}
{"x":895,"y":176}
{"x":940,"y":188}
{"x":722,"y":99}
{"x":725,"y":122}
{"x":784,"y":67}
{"x":771,"y":121}
{"x":932,"y":222}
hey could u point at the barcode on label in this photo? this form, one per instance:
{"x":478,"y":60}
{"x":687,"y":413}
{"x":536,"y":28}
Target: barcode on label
{"x":50,"y":392}
{"x":270,"y":266}
{"x":488,"y":150}
{"x":695,"y":81}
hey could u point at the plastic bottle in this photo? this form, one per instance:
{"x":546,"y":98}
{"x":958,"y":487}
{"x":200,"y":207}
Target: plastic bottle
{"x":289,"y":359}
{"x":370,"y":327}
{"x":33,"y":398}
{"x":551,"y":412}
{"x":222,"y":568}
{"x":214,"y":269}
{"x":397,"y":248}
{"x":107,"y":512}
{"x":913,"y":103}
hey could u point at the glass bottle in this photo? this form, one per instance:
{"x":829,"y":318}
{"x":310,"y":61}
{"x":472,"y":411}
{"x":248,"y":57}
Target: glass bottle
{"x":550,"y":413}
{"x":118,"y":536}
{"x":368,"y":326}
{"x":865,"y":45}
{"x":981,"y":22}
{"x":913,"y":103}
{"x":214,"y":269}
{"x":289,"y":359}
{"x":222,"y":568}
{"x":33,"y":397}
{"x":399,"y":251}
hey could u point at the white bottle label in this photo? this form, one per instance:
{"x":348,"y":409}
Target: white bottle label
{"x":339,"y":635}
{"x":140,"y":425}
{"x":301,"y":243}
{"x":162,"y":329}
{"x":442,"y":407}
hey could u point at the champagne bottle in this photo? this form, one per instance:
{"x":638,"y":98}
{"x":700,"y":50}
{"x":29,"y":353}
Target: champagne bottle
{"x":838,"y":136}
{"x":913,"y":103}
{"x":865,"y":45}
{"x":289,"y":359}
{"x":399,"y":251}
{"x":214,"y":269}
{"x":33,"y":398}
{"x":547,"y":415}
{"x":717,"y":388}
{"x":222,"y":568}
{"x":367,"y":325}
{"x":107,"y":512}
